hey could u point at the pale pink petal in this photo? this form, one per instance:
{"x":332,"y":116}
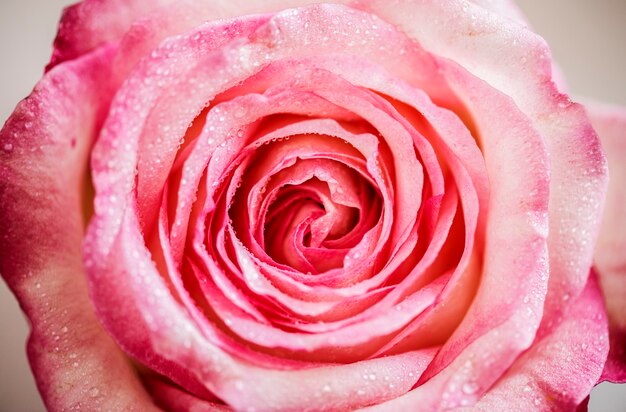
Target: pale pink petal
{"x":505,"y":8}
{"x":44,"y":147}
{"x":610,"y":258}
{"x":559,"y":370}
{"x":508,"y":9}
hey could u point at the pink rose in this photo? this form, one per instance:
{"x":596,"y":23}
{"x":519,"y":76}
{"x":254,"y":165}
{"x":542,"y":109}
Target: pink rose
{"x":277,"y":205}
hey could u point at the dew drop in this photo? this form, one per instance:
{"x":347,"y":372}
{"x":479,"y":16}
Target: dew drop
{"x":240,"y":112}
{"x":93,"y":392}
{"x":469,"y":388}
{"x":8,"y":147}
{"x":327,"y":388}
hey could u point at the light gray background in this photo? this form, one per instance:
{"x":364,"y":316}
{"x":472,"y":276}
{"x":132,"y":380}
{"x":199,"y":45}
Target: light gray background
{"x":587,"y":38}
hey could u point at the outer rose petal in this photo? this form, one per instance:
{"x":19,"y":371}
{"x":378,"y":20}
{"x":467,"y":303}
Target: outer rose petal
{"x":91,"y":23}
{"x":505,"y":8}
{"x":44,"y":148}
{"x":88,"y":24}
{"x":558,"y":371}
{"x":610,"y":260}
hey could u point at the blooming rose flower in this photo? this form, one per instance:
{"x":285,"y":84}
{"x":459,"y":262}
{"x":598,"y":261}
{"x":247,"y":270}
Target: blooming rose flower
{"x":281,"y":205}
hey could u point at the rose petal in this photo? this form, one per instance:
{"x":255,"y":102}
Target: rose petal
{"x":610,"y":260}
{"x":559,"y":370}
{"x":175,"y":399}
{"x":44,"y":147}
{"x":90,"y":23}
{"x":505,"y":8}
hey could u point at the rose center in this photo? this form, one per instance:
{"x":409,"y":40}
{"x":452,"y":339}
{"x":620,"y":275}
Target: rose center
{"x":301,"y":224}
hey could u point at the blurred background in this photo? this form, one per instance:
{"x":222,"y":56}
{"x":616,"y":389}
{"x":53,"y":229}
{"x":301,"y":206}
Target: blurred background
{"x":588,"y":39}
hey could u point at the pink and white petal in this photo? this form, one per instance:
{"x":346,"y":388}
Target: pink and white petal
{"x":517,"y":62}
{"x":505,"y":8}
{"x":508,"y":9}
{"x":610,"y":261}
{"x":333,"y":387}
{"x":45,"y":146}
{"x":558,"y":371}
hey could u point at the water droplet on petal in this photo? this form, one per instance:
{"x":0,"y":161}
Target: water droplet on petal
{"x":240,"y":112}
{"x":469,"y":388}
